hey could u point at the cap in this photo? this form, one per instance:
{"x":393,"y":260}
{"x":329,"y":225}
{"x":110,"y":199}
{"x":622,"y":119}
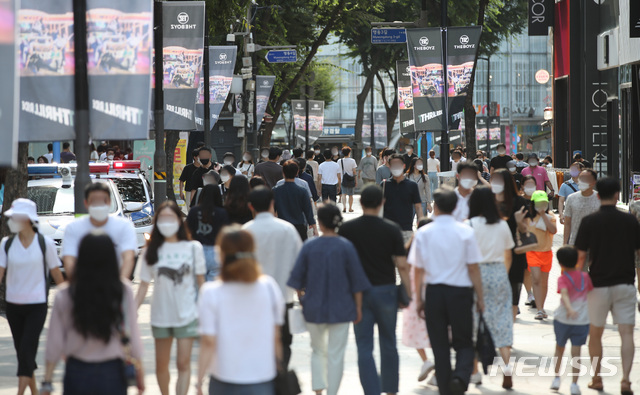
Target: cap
{"x":23,"y":207}
{"x":539,"y":196}
{"x":511,"y":163}
{"x":532,"y":155}
{"x":229,"y":154}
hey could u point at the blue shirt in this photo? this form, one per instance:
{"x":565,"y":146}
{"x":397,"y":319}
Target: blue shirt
{"x":330,"y":272}
{"x":293,"y":205}
{"x":566,"y":190}
{"x":312,"y":185}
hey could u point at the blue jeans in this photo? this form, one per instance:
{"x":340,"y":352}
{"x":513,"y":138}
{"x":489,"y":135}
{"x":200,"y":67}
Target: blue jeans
{"x":379,"y":306}
{"x":211,"y":260}
{"x":100,"y":378}
{"x":433,"y":183}
{"x":218,"y":387}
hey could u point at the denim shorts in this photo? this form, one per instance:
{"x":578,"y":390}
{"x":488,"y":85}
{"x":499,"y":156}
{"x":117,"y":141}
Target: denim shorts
{"x":182,"y":332}
{"x":577,"y":333}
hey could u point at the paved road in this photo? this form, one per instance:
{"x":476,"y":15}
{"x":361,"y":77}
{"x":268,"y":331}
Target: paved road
{"x":532,"y":339}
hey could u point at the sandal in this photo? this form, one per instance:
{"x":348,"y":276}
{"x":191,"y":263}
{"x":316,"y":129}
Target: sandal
{"x":625,"y":388}
{"x":596,"y":384}
{"x":539,"y":316}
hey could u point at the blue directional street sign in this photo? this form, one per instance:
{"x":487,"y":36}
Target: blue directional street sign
{"x":389,"y":35}
{"x":286,"y":56}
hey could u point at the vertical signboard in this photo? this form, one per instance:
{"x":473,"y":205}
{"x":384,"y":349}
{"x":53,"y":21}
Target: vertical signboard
{"x":634,"y":19}
{"x":541,"y":13}
{"x":119,"y":44}
{"x":380,"y":128}
{"x":264,"y":85}
{"x":462,"y":45}
{"x":222,"y":61}
{"x":298,"y":110}
{"x":427,"y":80}
{"x":405,"y":97}
{"x":316,"y":120}
{"x":183,"y":41}
{"x":46,"y":67}
{"x":481,"y":132}
{"x":10,"y":82}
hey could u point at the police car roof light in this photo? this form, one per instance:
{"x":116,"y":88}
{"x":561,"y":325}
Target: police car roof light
{"x":42,"y":169}
{"x":98,"y":167}
{"x":126,"y":165}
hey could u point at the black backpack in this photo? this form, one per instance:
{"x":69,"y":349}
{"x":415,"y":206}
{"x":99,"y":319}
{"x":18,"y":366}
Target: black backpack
{"x":43,"y":248}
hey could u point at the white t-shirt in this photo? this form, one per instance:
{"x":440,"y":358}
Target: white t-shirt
{"x":350,"y":166}
{"x":49,"y":157}
{"x":432,"y":165}
{"x":329,"y":171}
{"x":175,"y":288}
{"x":461,"y":213}
{"x":248,"y":167}
{"x":103,"y":156}
{"x":492,"y":239}
{"x":243,"y":317}
{"x":94,"y":155}
{"x":25,"y":274}
{"x":121,"y":231}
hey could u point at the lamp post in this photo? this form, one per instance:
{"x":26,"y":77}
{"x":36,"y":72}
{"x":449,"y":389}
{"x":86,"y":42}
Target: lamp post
{"x":488,"y":59}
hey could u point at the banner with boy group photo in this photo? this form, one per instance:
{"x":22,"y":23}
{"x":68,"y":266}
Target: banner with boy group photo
{"x":10,"y":83}
{"x":222,"y":60}
{"x":405,"y":98}
{"x":264,"y":85}
{"x":316,"y":119}
{"x":462,"y":45}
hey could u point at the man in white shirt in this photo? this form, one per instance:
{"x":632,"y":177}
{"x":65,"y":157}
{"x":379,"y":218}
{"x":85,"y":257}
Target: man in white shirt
{"x":347,"y":166}
{"x":277,"y":246}
{"x":121,"y":230}
{"x":580,"y":204}
{"x":445,"y":255}
{"x":49,"y":154}
{"x":467,"y":181}
{"x":329,"y":173}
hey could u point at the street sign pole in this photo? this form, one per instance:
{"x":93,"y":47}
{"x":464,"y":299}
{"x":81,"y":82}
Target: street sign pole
{"x":159,"y":157}
{"x":444,"y":140}
{"x":205,"y":74}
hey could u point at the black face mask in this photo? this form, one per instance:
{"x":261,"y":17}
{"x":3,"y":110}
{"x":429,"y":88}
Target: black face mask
{"x":204,"y":161}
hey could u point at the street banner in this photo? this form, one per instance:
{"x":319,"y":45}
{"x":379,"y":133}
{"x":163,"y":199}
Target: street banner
{"x":264,"y":85}
{"x":541,"y":16}
{"x":222,"y":61}
{"x":298,"y":112}
{"x":405,"y":97}
{"x":493,"y":125}
{"x":462,"y":45}
{"x":379,"y":129}
{"x":46,"y":65}
{"x":316,"y":120}
{"x":10,"y":82}
{"x":183,"y":45}
{"x":119,"y":44}
{"x":481,"y":132}
{"x":425,"y":60}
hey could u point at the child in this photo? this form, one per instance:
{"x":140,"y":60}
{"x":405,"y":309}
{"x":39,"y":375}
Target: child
{"x":571,"y":320}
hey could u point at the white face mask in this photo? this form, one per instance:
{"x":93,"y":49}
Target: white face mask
{"x":502,"y":151}
{"x":419,"y":167}
{"x":583,"y":186}
{"x":168,"y":228}
{"x":397,"y":172}
{"x":228,"y":163}
{"x":497,"y":188}
{"x":512,"y":169}
{"x":246,"y":158}
{"x":533,"y":163}
{"x":368,"y":153}
{"x":99,"y":213}
{"x":317,"y":152}
{"x":529,"y":190}
{"x":468,"y":183}
{"x":409,"y":151}
{"x":110,"y":157}
{"x":265,"y":154}
{"x":224,"y":178}
{"x":14,"y":226}
{"x":334,"y":153}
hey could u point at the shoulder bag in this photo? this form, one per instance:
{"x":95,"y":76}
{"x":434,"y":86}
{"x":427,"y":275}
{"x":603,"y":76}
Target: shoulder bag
{"x":525,"y":242}
{"x":348,"y":181}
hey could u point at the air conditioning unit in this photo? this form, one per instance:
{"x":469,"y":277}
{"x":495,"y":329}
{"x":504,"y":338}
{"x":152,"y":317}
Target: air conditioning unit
{"x":608,"y":49}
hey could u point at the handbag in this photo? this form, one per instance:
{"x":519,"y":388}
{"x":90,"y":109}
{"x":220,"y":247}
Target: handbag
{"x":348,"y":181}
{"x":403,"y":297}
{"x":287,"y":383}
{"x":525,"y":242}
{"x":485,"y":348}
{"x":297,"y":323}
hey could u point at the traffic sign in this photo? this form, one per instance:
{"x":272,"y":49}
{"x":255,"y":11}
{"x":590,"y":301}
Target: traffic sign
{"x":389,"y":35}
{"x":282,"y":56}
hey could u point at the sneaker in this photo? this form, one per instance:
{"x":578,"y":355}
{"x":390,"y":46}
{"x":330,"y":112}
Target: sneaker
{"x":529,"y":300}
{"x":427,"y":367}
{"x":476,"y":378}
{"x":555,"y":384}
{"x":433,"y":381}
{"x":575,"y":390}
{"x":539,"y":316}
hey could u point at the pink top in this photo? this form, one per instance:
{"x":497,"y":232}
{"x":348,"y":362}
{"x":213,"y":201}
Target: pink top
{"x":539,"y":173}
{"x":578,"y":291}
{"x":64,"y":341}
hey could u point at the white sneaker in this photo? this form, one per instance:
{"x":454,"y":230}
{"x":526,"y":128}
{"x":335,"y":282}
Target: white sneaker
{"x":427,"y":367}
{"x":575,"y":390}
{"x":476,"y":378}
{"x":555,"y":384}
{"x":433,"y":381}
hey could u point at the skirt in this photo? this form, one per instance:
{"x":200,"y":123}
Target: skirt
{"x":414,"y":328}
{"x":498,"y":314}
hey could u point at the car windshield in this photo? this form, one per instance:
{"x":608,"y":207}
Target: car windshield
{"x":52,"y":200}
{"x":131,"y":189}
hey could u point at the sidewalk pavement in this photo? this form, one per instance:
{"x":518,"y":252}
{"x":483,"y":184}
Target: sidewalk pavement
{"x":531,"y":339}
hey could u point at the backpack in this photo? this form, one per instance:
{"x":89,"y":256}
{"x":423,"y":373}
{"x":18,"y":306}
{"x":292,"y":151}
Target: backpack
{"x":43,"y":248}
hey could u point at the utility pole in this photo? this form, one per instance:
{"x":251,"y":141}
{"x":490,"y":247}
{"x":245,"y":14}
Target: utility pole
{"x":306,"y":117}
{"x":444,"y":140}
{"x":207,"y":93}
{"x":159,"y":157}
{"x":81,"y":104}
{"x":488,"y":103}
{"x":373,"y":122}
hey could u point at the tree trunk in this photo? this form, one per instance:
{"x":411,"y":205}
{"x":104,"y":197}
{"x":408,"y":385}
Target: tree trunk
{"x":361,"y":100}
{"x":15,"y":186}
{"x":172,"y":137}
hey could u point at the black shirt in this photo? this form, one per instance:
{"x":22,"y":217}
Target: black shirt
{"x":187,"y":174}
{"x":611,"y":237}
{"x":377,"y":241}
{"x":518,"y":203}
{"x":271,"y":172}
{"x":408,"y":158}
{"x":500,"y":162}
{"x":319,"y":158}
{"x":196,"y":177}
{"x":400,"y":198}
{"x":204,"y":232}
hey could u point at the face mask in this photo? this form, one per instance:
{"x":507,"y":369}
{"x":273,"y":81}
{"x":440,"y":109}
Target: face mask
{"x":14,"y":227}
{"x":468,"y":183}
{"x":542,"y":206}
{"x":529,"y":190}
{"x":397,"y":172}
{"x":368,"y":153}
{"x":502,"y":152}
{"x":583,"y":186}
{"x":246,"y":158}
{"x":224,"y":178}
{"x":334,"y":153}
{"x":419,"y":167}
{"x":168,"y":228}
{"x":228,"y":163}
{"x":574,"y":172}
{"x":512,"y":169}
{"x":265,"y":154}
{"x":497,"y":188}
{"x":317,"y":152}
{"x":99,"y":213}
{"x":205,"y":161}
{"x":110,"y":157}
{"x":533,"y":163}
{"x":206,"y":182}
{"x":409,"y":151}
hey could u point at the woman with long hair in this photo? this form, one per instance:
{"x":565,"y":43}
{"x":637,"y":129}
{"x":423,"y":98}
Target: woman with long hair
{"x":27,"y":257}
{"x":416,"y":173}
{"x":227,"y":173}
{"x":177,"y":266}
{"x":94,"y":325}
{"x":247,"y":166}
{"x":496,"y":243}
{"x":240,"y":318}
{"x":205,"y":221}
{"x":330,"y":280}
{"x":237,"y":201}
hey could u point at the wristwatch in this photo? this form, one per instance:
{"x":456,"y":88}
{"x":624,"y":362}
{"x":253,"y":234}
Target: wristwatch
{"x":46,"y":386}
